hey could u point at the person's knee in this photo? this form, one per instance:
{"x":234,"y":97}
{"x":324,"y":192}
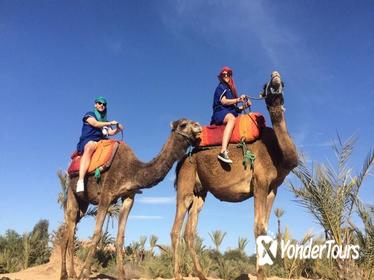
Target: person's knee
{"x":90,"y":147}
{"x":230,"y":118}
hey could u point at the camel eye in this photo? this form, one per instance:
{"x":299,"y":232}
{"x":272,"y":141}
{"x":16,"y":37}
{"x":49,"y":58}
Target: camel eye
{"x":183,"y":125}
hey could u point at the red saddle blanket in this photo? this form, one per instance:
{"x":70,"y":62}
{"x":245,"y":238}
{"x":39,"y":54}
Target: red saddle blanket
{"x":102,"y":158}
{"x":247,"y":127}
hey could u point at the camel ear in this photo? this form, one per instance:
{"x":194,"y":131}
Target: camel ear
{"x":173,"y":125}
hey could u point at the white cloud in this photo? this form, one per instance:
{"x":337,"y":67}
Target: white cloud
{"x":240,"y":26}
{"x":157,"y":200}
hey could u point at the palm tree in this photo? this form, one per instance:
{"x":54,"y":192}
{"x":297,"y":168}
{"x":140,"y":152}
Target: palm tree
{"x":64,"y":182}
{"x":365,"y":237}
{"x":331,"y":194}
{"x":142,"y":241}
{"x":278,"y":212}
{"x":112,"y":213}
{"x":242,"y":243}
{"x":152,"y":243}
{"x":217,"y":238}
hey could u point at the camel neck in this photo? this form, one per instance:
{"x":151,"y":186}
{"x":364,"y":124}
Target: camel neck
{"x":151,"y":173}
{"x":286,"y":145}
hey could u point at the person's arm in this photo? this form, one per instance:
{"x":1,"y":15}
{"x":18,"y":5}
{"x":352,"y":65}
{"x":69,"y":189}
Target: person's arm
{"x":245,"y":105}
{"x":92,"y":121}
{"x":118,"y":128}
{"x":232,"y":101}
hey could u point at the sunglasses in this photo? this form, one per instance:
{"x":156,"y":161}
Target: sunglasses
{"x":101,"y":103}
{"x":225,"y":75}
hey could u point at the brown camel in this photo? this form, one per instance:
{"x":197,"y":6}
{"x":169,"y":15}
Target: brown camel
{"x":201,"y":172}
{"x":124,"y":179}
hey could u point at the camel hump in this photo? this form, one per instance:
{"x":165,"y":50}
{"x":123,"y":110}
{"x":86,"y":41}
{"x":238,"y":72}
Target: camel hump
{"x":247,"y":127}
{"x":101,"y":159}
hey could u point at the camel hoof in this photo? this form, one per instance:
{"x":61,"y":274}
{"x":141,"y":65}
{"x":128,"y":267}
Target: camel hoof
{"x":201,"y":275}
{"x":121,"y":275}
{"x":85,"y":274}
{"x":64,"y":276}
{"x":178,"y":276}
{"x":72,"y":275}
{"x":261,"y":277}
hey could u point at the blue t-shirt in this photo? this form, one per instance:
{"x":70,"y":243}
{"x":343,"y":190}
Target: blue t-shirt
{"x":89,"y":132}
{"x":220,"y":110}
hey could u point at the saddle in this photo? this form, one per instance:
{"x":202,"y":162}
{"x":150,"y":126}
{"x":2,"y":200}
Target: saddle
{"x":101,"y":159}
{"x":247,"y":128}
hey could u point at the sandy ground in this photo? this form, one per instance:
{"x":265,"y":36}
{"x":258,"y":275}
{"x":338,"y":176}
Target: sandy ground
{"x":51,"y":271}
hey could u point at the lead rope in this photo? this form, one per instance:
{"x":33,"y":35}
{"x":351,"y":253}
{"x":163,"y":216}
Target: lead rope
{"x":248,"y":156}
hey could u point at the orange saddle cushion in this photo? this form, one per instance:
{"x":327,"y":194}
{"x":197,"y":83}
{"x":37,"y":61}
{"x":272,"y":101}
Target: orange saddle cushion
{"x":247,"y":127}
{"x":101,"y":158}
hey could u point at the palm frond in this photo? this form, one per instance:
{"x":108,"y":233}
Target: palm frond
{"x":368,"y":164}
{"x":278,"y":212}
{"x":64,"y":183}
{"x":217,"y":238}
{"x":343,"y":151}
{"x":91,"y":211}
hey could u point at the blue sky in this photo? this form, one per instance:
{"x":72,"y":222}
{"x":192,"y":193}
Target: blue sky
{"x":157,"y":61}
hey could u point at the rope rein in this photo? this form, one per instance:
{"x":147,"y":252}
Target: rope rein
{"x":266,"y":91}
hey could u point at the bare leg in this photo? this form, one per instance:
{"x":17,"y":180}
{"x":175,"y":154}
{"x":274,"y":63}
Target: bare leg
{"x":127,"y":204}
{"x":89,"y":149}
{"x":230,"y":123}
{"x":190,"y":234}
{"x":70,"y":224}
{"x":260,"y":200}
{"x":100,"y":217}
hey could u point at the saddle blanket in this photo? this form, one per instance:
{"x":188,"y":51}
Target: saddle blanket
{"x":102,"y":158}
{"x":247,"y":127}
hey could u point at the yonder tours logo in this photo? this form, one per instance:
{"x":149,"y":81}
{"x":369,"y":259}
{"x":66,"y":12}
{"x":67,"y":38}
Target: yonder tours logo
{"x":268,"y":247}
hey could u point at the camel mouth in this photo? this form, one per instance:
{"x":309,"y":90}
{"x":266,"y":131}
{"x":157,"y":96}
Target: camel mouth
{"x":198,"y":129}
{"x":276,"y":82}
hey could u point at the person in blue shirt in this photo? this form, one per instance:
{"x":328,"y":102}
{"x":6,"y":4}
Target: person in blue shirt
{"x":95,"y":128}
{"x":225,"y":108}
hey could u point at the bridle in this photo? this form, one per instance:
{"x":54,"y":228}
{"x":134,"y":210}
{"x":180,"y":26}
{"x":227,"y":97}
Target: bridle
{"x":189,"y":139}
{"x":269,"y":91}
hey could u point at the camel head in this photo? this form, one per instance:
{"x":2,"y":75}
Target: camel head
{"x":190,"y":130}
{"x":273,"y":90}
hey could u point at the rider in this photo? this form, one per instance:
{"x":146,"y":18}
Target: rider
{"x":95,"y":128}
{"x":224,"y":108}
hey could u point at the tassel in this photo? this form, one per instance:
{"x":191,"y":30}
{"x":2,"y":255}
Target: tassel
{"x":97,"y":174}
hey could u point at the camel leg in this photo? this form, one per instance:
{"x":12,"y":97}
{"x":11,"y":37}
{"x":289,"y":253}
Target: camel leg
{"x":71,"y":216}
{"x":190,"y":234}
{"x":175,"y":234}
{"x":100,"y":217}
{"x":127,"y":204}
{"x":185,"y":195}
{"x":260,"y":201}
{"x":269,"y":205}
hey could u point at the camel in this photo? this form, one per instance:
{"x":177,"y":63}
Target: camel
{"x":126,"y":176}
{"x":202,"y":172}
